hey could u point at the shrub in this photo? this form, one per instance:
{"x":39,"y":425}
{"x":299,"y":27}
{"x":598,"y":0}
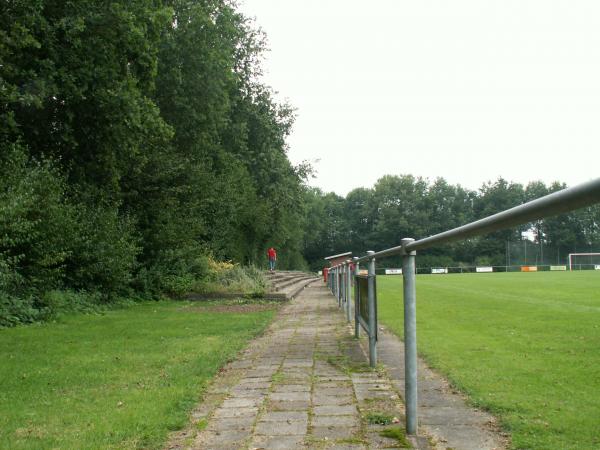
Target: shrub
{"x":103,"y":251}
{"x":226,"y":277}
{"x":17,"y":310}
{"x":36,"y":225}
{"x":49,"y":243}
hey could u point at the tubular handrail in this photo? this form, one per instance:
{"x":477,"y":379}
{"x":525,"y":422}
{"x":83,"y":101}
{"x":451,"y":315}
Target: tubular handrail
{"x":569,"y":199}
{"x":585,"y":194}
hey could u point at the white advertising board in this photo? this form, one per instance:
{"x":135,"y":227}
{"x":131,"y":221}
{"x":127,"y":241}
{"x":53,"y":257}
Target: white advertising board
{"x":484,"y":269}
{"x":439,"y":270}
{"x":393,"y":271}
{"x":558,"y":267}
{"x":597,"y":267}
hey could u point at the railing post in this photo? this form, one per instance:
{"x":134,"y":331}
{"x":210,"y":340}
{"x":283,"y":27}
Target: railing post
{"x":341,"y":277}
{"x":333,"y":280}
{"x":410,"y":338}
{"x":372,"y":312}
{"x":348,"y":289}
{"x":341,"y":288}
{"x":339,"y":285}
{"x":356,"y":323}
{"x":335,"y":287}
{"x":336,"y":284}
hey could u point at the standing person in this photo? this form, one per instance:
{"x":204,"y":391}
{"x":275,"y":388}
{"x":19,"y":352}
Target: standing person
{"x":272,"y":255}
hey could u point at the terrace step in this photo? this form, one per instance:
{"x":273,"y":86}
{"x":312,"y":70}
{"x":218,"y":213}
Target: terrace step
{"x":288,"y":284}
{"x":284,"y":285}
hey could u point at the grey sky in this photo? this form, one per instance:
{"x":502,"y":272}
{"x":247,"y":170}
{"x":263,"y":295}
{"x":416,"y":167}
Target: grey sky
{"x":467,"y":90}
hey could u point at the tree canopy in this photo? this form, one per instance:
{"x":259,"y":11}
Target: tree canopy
{"x":136,"y":140}
{"x":401,"y":206}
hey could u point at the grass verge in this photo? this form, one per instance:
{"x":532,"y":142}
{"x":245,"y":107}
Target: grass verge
{"x":121,"y":380}
{"x":525,"y":346}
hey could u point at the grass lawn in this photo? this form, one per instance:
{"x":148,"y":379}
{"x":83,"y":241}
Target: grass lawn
{"x":525,"y":346}
{"x":120,"y":380}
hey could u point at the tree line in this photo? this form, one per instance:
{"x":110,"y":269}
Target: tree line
{"x":137,"y":140}
{"x":407,"y":206}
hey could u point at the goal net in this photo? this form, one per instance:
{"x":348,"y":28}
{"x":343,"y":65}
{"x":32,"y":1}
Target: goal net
{"x":584,"y":261}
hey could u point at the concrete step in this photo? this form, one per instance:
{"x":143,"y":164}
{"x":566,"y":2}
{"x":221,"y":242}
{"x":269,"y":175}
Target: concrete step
{"x":295,"y":289}
{"x":285,"y":285}
{"x":289,"y":283}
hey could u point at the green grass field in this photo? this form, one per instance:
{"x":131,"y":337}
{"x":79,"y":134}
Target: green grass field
{"x":525,"y":346}
{"x":121,"y":380}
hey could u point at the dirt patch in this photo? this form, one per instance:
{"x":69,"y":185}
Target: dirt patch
{"x":238,"y":309}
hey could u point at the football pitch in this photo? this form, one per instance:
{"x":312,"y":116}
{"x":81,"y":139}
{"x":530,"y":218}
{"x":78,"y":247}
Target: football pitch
{"x":525,"y":346}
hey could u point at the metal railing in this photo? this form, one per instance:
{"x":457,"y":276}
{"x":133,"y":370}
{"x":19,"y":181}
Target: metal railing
{"x":576,"y":197}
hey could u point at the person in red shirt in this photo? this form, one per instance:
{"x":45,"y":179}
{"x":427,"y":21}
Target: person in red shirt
{"x":272,"y":255}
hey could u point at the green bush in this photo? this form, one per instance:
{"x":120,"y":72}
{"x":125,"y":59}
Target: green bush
{"x":247,"y":279}
{"x":17,"y":310}
{"x":49,"y":243}
{"x":103,"y":252}
{"x":36,"y":225}
{"x":233,"y":278}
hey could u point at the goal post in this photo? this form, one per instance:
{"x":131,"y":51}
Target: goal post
{"x":582,"y":254}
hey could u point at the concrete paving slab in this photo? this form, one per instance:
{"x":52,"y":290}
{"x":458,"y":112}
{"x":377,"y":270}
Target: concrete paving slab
{"x":332,"y":392}
{"x":334,"y":410}
{"x":333,"y":433}
{"x":235,"y":412}
{"x":290,"y":396}
{"x":280,"y":416}
{"x":324,"y":400}
{"x":277,"y":443}
{"x":238,"y":402}
{"x":335,"y":421}
{"x":282,"y":428}
{"x":294,"y":387}
{"x":291,"y":388}
{"x":295,"y":405}
{"x":241,"y":423}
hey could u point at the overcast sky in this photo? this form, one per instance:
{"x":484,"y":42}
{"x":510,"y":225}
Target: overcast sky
{"x":465,"y":90}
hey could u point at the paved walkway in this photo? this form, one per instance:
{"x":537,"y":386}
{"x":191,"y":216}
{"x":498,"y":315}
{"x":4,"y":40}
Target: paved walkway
{"x":305,"y":384}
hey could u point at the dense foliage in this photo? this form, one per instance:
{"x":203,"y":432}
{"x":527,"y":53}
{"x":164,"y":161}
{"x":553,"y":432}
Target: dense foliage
{"x":406,"y":206}
{"x":137,"y":141}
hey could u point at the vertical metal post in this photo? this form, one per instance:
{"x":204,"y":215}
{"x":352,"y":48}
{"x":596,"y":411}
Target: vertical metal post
{"x":348,"y":288}
{"x":341,"y":286}
{"x":341,"y":297}
{"x":332,"y":279}
{"x":345,"y":275}
{"x":356,"y":323}
{"x":335,"y":282}
{"x":410,"y":338}
{"x":372,"y":322}
{"x":333,"y":275}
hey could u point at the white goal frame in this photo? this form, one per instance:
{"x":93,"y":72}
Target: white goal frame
{"x":579,"y":254}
